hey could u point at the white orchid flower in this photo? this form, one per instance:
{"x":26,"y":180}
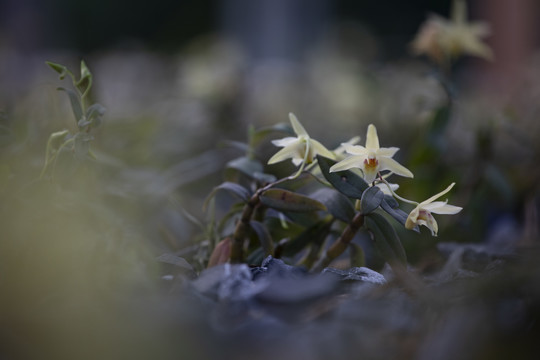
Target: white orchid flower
{"x":299,"y":149}
{"x":371,"y":159}
{"x":442,"y":39}
{"x":421,"y":214}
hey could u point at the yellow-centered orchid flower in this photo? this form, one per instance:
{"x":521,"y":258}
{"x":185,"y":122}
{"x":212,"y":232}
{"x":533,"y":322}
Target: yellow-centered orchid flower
{"x":442,"y":39}
{"x":421,"y":214}
{"x":371,"y":159}
{"x":298,"y":148}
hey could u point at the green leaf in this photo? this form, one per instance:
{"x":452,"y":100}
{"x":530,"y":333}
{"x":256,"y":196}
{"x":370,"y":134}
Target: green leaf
{"x":249,"y":167}
{"x":93,"y":115}
{"x":256,"y":257}
{"x":264,"y":236}
{"x":386,"y":239}
{"x":280,"y":227}
{"x":337,"y":204}
{"x":304,"y":219}
{"x":398,"y":214}
{"x":371,"y":200}
{"x":60,"y":69}
{"x":85,"y":82}
{"x":346,"y":182}
{"x":316,"y":234}
{"x":85,"y":72}
{"x":393,"y":203}
{"x":285,"y":200}
{"x":83,"y":123}
{"x":75,"y":103}
{"x":231,"y":187}
{"x":95,"y":110}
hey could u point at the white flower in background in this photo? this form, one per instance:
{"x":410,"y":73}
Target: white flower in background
{"x":300,"y":147}
{"x":442,"y":39}
{"x":421,"y":215}
{"x":371,"y":159}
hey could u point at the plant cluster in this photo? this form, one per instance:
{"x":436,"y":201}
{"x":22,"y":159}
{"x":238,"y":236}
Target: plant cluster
{"x":65,"y":144}
{"x":344,"y":191}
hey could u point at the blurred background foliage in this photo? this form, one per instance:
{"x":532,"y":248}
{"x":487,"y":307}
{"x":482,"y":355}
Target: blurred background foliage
{"x":181,"y":79}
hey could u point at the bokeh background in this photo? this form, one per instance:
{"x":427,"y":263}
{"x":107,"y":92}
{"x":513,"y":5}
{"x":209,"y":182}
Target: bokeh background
{"x":180,"y":80}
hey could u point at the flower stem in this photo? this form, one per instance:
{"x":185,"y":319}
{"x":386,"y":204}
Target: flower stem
{"x":240,"y":232}
{"x":396,"y":195}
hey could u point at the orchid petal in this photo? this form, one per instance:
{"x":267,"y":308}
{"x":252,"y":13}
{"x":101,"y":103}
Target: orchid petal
{"x":386,"y":163}
{"x":372,"y":140}
{"x":318,"y":148}
{"x":290,"y":151}
{"x":431,"y":224}
{"x":441,"y":207}
{"x":285,"y":141}
{"x":352,"y":141}
{"x":350,"y":162}
{"x":387,"y":151}
{"x":370,"y":173}
{"x":297,"y":161}
{"x":385,"y":190}
{"x":412,"y":219}
{"x":435,"y":197}
{"x":355,"y":149}
{"x":297,"y":127}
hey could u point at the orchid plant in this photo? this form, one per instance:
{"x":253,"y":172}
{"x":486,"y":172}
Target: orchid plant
{"x":65,"y":144}
{"x":312,"y":216}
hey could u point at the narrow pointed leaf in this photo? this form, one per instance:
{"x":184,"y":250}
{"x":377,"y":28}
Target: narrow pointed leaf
{"x":391,"y":201}
{"x":235,"y":189}
{"x":346,"y":182}
{"x":60,"y":69}
{"x":337,"y":204}
{"x":264,"y":236}
{"x":85,"y":72}
{"x":75,"y":103}
{"x":386,"y":239}
{"x":371,"y":199}
{"x":285,"y":200}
